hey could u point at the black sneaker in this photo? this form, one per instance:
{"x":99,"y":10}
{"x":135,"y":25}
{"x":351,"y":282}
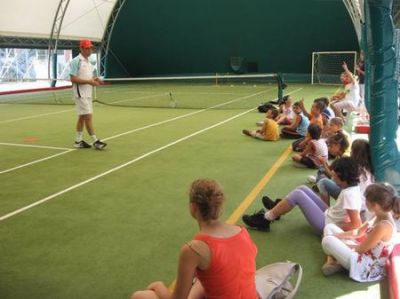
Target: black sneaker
{"x":99,"y":144}
{"x":257,"y":221}
{"x":315,"y":188}
{"x":81,"y":144}
{"x":246,"y":132}
{"x":269,"y":204}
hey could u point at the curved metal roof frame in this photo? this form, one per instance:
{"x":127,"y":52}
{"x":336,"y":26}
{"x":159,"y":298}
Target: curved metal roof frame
{"x":53,"y":40}
{"x":72,"y":20}
{"x":81,"y":19}
{"x":105,"y":46}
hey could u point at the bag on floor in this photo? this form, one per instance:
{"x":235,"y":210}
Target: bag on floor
{"x":274,"y":281}
{"x":263,"y":108}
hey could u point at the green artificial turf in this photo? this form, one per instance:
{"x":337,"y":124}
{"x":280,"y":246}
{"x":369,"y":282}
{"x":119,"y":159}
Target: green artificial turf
{"x":115,"y":219}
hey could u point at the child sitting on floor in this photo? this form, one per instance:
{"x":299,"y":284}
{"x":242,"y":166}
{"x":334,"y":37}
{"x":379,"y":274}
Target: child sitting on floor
{"x":315,"y":117}
{"x":221,"y":257}
{"x":316,"y":151}
{"x":348,"y":99}
{"x":360,"y":152}
{"x":269,"y":130}
{"x":287,"y":114}
{"x":337,"y":146}
{"x":326,"y":113}
{"x":298,"y":128}
{"x":364,"y":251}
{"x":345,"y":212}
{"x":334,"y":126}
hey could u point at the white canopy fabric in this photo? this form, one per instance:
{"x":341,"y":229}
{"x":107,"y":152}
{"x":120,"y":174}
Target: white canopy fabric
{"x":34,"y":19}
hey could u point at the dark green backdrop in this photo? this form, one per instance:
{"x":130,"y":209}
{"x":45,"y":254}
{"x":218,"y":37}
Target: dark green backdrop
{"x":153,"y":37}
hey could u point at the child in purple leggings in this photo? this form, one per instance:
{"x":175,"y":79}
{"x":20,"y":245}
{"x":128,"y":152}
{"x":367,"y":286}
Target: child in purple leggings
{"x":345,"y":213}
{"x":360,"y":152}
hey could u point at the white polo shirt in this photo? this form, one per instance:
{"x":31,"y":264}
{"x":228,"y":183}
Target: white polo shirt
{"x":348,"y":199}
{"x":82,"y":67}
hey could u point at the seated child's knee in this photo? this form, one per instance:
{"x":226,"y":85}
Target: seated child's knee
{"x":139,"y":295}
{"x":327,"y":243}
{"x":156,"y":285}
{"x":330,"y":229}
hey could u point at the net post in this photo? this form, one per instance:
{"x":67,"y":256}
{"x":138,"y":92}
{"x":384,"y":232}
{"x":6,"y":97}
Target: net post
{"x":312,"y":68}
{"x":281,"y":86}
{"x":53,"y":70}
{"x":216,"y":79}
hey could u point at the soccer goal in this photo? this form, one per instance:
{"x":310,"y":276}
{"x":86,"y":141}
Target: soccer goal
{"x":327,"y":66}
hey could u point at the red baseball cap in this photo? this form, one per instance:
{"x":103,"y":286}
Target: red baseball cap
{"x":86,"y":43}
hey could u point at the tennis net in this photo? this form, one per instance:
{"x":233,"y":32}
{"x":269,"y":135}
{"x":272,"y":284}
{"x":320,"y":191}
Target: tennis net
{"x":196,"y":92}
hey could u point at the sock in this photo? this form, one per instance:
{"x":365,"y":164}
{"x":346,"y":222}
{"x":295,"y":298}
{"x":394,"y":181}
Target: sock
{"x":94,"y":138}
{"x":78,"y":137}
{"x":269,"y":215}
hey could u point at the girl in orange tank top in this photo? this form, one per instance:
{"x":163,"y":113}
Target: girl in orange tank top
{"x":220,"y":258}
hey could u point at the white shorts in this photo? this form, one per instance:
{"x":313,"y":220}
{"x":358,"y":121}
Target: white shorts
{"x":84,"y":106}
{"x":348,"y":105}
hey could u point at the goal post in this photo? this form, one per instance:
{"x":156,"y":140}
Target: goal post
{"x":327,"y":66}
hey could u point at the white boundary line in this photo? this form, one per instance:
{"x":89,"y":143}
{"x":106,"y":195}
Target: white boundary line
{"x":131,"y":131}
{"x":176,"y":92}
{"x":4,"y":217}
{"x":216,"y":76}
{"x":36,"y":146}
{"x":34,"y":116}
{"x":138,"y":98}
{"x":138,"y":129}
{"x":36,"y":161}
{"x":184,"y":115}
{"x":43,"y":200}
{"x":65,"y":150}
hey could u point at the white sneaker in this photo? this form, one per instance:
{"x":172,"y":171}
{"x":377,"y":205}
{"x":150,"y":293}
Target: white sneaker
{"x":311,"y":179}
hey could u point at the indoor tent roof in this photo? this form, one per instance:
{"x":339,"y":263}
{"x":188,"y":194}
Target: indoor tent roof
{"x":34,"y":19}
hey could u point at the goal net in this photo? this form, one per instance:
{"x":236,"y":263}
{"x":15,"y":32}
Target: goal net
{"x":327,"y":66}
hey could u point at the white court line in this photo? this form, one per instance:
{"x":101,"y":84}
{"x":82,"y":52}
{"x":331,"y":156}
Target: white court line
{"x":4,"y":217}
{"x":34,"y":116}
{"x":65,"y":150}
{"x":36,"y":161}
{"x":167,"y":94}
{"x":129,"y":132}
{"x":176,"y":92}
{"x":141,"y":128}
{"x":36,"y":146}
{"x":184,"y":115}
{"x":206,"y":93}
{"x":141,"y":98}
{"x":43,"y":200}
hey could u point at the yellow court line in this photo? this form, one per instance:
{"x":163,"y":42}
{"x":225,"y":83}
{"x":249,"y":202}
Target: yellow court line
{"x":257,"y":188}
{"x":253,"y":194}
